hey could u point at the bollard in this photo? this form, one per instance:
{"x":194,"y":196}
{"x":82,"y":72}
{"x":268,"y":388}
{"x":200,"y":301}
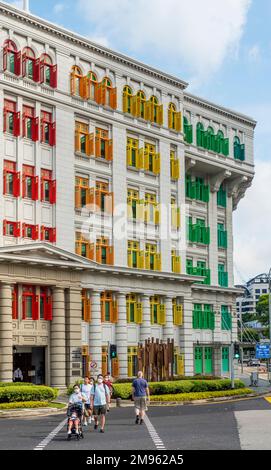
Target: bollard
{"x":118,"y":402}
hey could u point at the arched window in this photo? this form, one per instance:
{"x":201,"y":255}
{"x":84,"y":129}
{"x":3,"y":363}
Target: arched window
{"x":31,"y":67}
{"x":141,"y":101}
{"x":239,"y":149}
{"x":76,"y":81}
{"x":46,"y":69}
{"x":210,"y":140}
{"x":11,"y":58}
{"x":127,"y":99}
{"x":171,"y":115}
{"x":188,"y":131}
{"x":91,"y":86}
{"x":107,"y":87}
{"x":200,"y":134}
{"x":219,"y":142}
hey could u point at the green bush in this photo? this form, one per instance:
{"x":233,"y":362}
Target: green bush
{"x":176,"y":378}
{"x":16,"y":384}
{"x":200,"y":395}
{"x":27,"y":393}
{"x":124,"y":391}
{"x":24,"y":404}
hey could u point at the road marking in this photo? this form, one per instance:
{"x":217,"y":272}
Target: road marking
{"x":155,"y":437}
{"x":50,"y":436}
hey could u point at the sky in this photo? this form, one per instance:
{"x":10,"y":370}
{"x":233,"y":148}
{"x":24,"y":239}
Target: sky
{"x":223,"y":49}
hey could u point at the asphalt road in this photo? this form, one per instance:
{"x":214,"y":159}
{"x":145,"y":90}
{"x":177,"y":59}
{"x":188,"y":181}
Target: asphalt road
{"x":242,"y":424}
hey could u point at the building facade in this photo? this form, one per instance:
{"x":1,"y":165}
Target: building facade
{"x":116,"y":212}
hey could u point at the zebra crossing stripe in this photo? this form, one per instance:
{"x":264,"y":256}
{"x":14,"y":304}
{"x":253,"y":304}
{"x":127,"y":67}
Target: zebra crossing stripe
{"x":50,"y":436}
{"x":155,"y":437}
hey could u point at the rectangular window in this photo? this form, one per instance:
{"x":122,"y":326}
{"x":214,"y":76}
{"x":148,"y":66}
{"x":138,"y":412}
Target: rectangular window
{"x":48,"y":129}
{"x":109,"y":308}
{"x":226,"y":319}
{"x":12,"y":118}
{"x":11,"y":229}
{"x":48,"y":187}
{"x":30,"y":231}
{"x":132,"y":361}
{"x":222,"y":276}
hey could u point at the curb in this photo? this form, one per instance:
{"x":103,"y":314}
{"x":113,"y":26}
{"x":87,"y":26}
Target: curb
{"x":20,"y":413}
{"x":210,"y":400}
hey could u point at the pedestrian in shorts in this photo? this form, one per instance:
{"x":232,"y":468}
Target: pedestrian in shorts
{"x":141,"y":397}
{"x":99,"y":399}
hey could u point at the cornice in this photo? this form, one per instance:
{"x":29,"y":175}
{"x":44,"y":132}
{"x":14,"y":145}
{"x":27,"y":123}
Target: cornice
{"x":225,"y":112}
{"x":66,"y":35}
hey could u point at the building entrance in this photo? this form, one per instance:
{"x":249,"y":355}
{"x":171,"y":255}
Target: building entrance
{"x":31,"y":361}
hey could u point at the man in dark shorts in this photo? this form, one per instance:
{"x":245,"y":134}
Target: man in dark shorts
{"x":141,"y":396}
{"x":100,"y":397}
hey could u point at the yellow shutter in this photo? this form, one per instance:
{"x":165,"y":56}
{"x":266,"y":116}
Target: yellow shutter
{"x":140,"y":159}
{"x":178,"y":122}
{"x":180,"y":364}
{"x":170,"y":119}
{"x":147,"y":213}
{"x":130,"y":258}
{"x":140,"y":210}
{"x":160,"y":113}
{"x":157,"y":164}
{"x":104,"y":364}
{"x":146,"y":160}
{"x":147,"y":260}
{"x":129,"y":155}
{"x":139,"y":313}
{"x":177,"y":264}
{"x":157,"y":262}
{"x":141,"y":260}
{"x":135,"y":106}
{"x":157,"y":215}
{"x":130,"y":366}
{"x":148,"y":115}
{"x":161,"y":314}
{"x":115,"y":367}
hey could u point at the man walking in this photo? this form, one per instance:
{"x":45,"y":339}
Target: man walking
{"x":140,"y":395}
{"x":100,"y":397}
{"x":85,"y":389}
{"x":18,"y":375}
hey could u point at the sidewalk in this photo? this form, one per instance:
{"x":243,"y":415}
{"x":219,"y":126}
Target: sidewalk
{"x":263,"y":386}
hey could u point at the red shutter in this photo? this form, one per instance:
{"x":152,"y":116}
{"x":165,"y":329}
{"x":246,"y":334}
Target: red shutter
{"x":35,"y":232}
{"x":5,"y":58}
{"x":24,"y":65}
{"x":35,"y":307}
{"x":53,"y":192}
{"x":42,"y":71}
{"x":53,"y":76}
{"x":4,"y":227}
{"x":5,"y":121}
{"x":35,"y":129}
{"x":15,"y":304}
{"x":17,"y":231}
{"x":24,"y":186}
{"x":52,"y":134}
{"x":35,"y":188}
{"x":23,"y":230}
{"x":17,"y":64}
{"x":17,"y":118}
{"x":24,"y":126}
{"x":53,"y":235}
{"x":48,"y":309}
{"x":16,"y":185}
{"x":36,"y":70}
{"x":24,"y":308}
{"x":42,"y":189}
{"x":5,"y":182}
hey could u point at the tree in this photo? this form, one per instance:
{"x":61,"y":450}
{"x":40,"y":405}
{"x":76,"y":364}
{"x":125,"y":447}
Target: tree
{"x":262,"y":309}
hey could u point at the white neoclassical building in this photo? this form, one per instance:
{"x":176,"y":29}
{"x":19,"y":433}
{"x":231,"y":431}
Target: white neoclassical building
{"x":117,"y":193}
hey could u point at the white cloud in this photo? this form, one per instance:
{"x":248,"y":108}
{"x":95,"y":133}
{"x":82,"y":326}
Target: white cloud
{"x":252,"y":226}
{"x":59,"y":7}
{"x":198,"y":33}
{"x":254,"y":53}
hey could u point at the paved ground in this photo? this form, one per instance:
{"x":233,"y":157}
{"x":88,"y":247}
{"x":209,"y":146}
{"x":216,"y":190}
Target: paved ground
{"x":242,"y":424}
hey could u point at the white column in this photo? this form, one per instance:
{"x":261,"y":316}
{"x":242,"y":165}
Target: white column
{"x":58,"y":340}
{"x":145,"y":329}
{"x":6,"y":353}
{"x":229,"y":263}
{"x":186,"y":337}
{"x":73,"y":334}
{"x":95,"y":331}
{"x":121,"y":336}
{"x":168,"y":329}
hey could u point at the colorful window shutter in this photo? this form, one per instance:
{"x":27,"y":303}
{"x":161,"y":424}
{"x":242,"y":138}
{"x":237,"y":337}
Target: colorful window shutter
{"x":139,"y":313}
{"x":114,"y":317}
{"x":53,"y":76}
{"x":115,"y":367}
{"x":35,"y":309}
{"x":113,"y":98}
{"x":17,"y":124}
{"x":161,"y":314}
{"x":48,"y":308}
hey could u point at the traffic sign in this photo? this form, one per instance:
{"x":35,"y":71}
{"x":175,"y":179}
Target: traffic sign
{"x":93,"y":365}
{"x":263,"y":351}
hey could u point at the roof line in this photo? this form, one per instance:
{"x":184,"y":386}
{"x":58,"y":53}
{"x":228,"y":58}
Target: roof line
{"x":220,"y":109}
{"x":85,"y":42}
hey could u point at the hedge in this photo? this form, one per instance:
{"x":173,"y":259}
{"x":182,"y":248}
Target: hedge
{"x":27,"y":393}
{"x":24,"y":404}
{"x":16,"y":384}
{"x":124,"y":391}
{"x":176,"y":377}
{"x":200,"y":396}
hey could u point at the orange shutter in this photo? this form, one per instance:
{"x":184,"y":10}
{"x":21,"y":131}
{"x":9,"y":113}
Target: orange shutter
{"x":109,"y":153}
{"x":114,"y":316}
{"x":91,"y":196}
{"x":115,"y":367}
{"x":77,"y":197}
{"x":110,"y":255}
{"x":98,"y":203}
{"x":98,"y":147}
{"x":87,"y":308}
{"x":89,"y":144}
{"x":77,"y":141}
{"x":92,"y":251}
{"x":98,"y":254}
{"x":102,"y":311}
{"x":81,"y":87}
{"x":72,"y":84}
{"x":109,"y":203}
{"x":113,"y":98}
{"x":85,"y":88}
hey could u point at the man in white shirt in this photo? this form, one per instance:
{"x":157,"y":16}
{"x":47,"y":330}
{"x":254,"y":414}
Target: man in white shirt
{"x":100,"y":398}
{"x":18,"y":375}
{"x":85,"y":390}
